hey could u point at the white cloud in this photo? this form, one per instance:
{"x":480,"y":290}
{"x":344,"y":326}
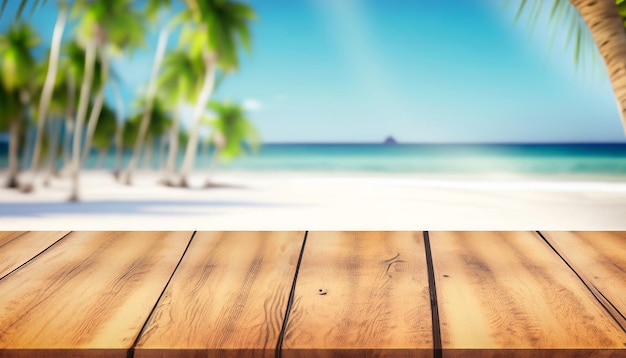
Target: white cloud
{"x":252,"y":105}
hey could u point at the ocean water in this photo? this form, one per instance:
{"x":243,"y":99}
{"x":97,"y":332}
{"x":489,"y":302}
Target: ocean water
{"x":594,"y":159}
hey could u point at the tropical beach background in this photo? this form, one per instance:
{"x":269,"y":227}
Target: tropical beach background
{"x":312,"y":114}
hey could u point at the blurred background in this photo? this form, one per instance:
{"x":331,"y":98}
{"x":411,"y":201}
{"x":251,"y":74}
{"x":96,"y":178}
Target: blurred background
{"x":355,"y":86}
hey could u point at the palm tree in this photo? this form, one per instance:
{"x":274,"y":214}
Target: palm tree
{"x":103,"y":22}
{"x":119,"y":130}
{"x":48,"y":87}
{"x":219,"y":27}
{"x":123,"y":29}
{"x":72,"y":71}
{"x":16,"y":64}
{"x":233,"y":131}
{"x":159,"y":124}
{"x":178,"y":82}
{"x":105,"y":132}
{"x":152,"y":12}
{"x":56,"y":111}
{"x":604,"y":20}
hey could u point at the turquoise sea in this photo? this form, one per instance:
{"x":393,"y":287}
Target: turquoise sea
{"x":594,"y":159}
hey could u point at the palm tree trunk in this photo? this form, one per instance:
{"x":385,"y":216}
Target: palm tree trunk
{"x":92,"y":123}
{"x":48,"y":87}
{"x":147,"y":154}
{"x":27,"y":147}
{"x":119,"y":131}
{"x":212,"y":166}
{"x":69,"y":121}
{"x":205,"y":152}
{"x":14,"y":137}
{"x":90,"y":61}
{"x":97,"y":106}
{"x":53,"y":146}
{"x":162,"y":145}
{"x":201,"y":103}
{"x":147,"y":112}
{"x":101,"y":157}
{"x":170,"y":166}
{"x":607,"y":28}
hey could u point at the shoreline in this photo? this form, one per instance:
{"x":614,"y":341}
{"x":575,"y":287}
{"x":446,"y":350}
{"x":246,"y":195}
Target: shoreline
{"x":246,"y":200}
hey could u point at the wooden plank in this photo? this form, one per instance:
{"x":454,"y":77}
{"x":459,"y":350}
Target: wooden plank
{"x":228,"y":297}
{"x":90,"y":294}
{"x":599,"y":258}
{"x":8,"y":236}
{"x":18,"y":247}
{"x":509,"y":294}
{"x":361,"y":294}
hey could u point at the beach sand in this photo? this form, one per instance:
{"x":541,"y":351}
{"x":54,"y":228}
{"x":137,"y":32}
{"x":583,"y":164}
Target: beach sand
{"x":318,"y":201}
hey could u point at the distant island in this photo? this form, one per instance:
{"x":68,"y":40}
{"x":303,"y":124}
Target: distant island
{"x":390,"y":140}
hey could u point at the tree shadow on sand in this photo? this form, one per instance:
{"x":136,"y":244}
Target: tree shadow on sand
{"x":126,"y":207}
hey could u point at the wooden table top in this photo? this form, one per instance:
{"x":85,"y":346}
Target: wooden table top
{"x":312,"y":294}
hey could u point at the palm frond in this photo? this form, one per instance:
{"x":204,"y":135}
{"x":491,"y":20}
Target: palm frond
{"x":20,"y":9}
{"x":4,"y":5}
{"x":562,"y":17}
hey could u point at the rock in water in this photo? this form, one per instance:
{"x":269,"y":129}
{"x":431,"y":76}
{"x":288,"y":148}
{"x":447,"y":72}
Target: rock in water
{"x":390,"y":140}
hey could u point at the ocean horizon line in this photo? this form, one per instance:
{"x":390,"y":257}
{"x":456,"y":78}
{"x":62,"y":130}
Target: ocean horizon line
{"x":346,"y":143}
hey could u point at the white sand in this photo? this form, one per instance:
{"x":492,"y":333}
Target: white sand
{"x":314,"y":201}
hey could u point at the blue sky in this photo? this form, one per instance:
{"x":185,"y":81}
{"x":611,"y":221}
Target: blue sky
{"x":422,"y":71}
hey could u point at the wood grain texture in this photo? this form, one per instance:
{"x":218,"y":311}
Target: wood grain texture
{"x":90,"y":294}
{"x":228,"y":297}
{"x":600,"y":259}
{"x":509,"y":294}
{"x":18,"y":247}
{"x":361,"y":294}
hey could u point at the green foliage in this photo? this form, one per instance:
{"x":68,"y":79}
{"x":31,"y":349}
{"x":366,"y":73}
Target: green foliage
{"x":234,"y":127}
{"x":105,"y":129}
{"x":131,"y":129}
{"x":11,"y":106}
{"x":117,"y":23}
{"x":153,"y":7}
{"x":159,"y":120}
{"x":564,"y":16}
{"x":73,"y":64}
{"x":16,"y":58}
{"x":219,"y":26}
{"x":180,"y":78}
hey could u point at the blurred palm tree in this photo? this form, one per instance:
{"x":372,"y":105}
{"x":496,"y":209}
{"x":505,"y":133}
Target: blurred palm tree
{"x":152,"y":12}
{"x":178,"y":82}
{"x":590,"y":24}
{"x":104,"y":23}
{"x":56,"y":112}
{"x":233,"y":132}
{"x":48,"y":86}
{"x":123,"y":31}
{"x":104,"y":133}
{"x":216,"y":30}
{"x":159,"y":124}
{"x":16,"y":73}
{"x":72,"y":71}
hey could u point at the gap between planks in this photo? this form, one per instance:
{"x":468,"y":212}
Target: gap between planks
{"x":599,"y":296}
{"x":35,"y":256}
{"x":131,"y":351}
{"x":281,"y":336}
{"x":434,"y":306}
